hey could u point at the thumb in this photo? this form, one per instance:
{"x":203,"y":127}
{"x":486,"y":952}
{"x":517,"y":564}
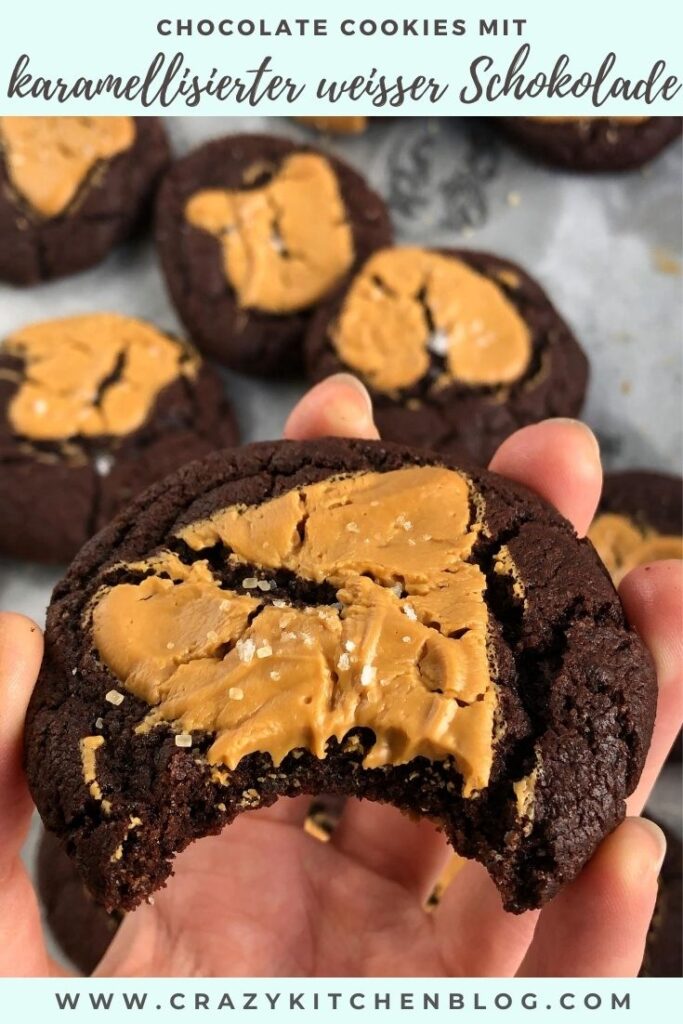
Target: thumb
{"x":22,"y":950}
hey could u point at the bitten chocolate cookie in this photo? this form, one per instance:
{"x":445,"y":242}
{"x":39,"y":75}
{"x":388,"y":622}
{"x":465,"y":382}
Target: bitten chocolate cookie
{"x":664,"y":948}
{"x":458,"y":349}
{"x":593,"y":143}
{"x":71,"y":188}
{"x":82,"y":928}
{"x":337,"y":617}
{"x":639,"y":520}
{"x":93,"y":409}
{"x":253,"y":233}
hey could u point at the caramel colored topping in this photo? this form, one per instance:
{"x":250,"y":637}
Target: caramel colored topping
{"x":581,"y":120}
{"x":49,"y":158}
{"x":622,"y":544}
{"x":92,"y":375}
{"x":284,"y":244}
{"x":89,"y":746}
{"x":406,"y":303}
{"x":453,"y":868}
{"x":336,"y":125}
{"x":525,"y":792}
{"x":403,"y":652}
{"x":504,"y":565}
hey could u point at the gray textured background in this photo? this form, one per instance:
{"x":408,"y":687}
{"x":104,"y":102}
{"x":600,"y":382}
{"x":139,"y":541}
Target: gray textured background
{"x":607,"y":249}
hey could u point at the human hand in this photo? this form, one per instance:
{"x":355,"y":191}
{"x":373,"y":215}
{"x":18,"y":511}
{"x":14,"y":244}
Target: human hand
{"x":266,"y":899}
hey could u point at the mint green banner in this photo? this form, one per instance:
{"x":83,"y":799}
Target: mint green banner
{"x":413,"y":1001}
{"x":303,"y":57}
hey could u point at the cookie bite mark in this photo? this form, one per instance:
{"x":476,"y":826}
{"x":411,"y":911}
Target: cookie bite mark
{"x":403,"y":651}
{"x":408,"y":306}
{"x":623,"y":544}
{"x":48,"y":159}
{"x":90,"y":376}
{"x":336,"y":125}
{"x":286,"y":243}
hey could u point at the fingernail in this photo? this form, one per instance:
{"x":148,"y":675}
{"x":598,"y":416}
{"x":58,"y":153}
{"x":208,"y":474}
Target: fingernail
{"x":347,"y":380}
{"x":584,"y":429}
{"x":657,"y":843}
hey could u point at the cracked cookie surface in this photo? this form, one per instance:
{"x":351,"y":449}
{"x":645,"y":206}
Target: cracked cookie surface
{"x":71,"y":188}
{"x":92,"y":410}
{"x":233,"y":638}
{"x":458,"y":348}
{"x":253,"y":233}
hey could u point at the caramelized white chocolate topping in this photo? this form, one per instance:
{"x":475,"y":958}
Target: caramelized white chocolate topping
{"x":49,"y":158}
{"x":285,"y":244}
{"x":402,"y":652}
{"x":91,"y":375}
{"x":622,"y":544}
{"x":406,"y":303}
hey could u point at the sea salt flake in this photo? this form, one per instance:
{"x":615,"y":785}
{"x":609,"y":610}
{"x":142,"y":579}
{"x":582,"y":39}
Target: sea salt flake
{"x":279,"y":603}
{"x":245,"y":650}
{"x":367,"y":675}
{"x":99,"y":723}
{"x":265,"y":651}
{"x":234,"y":693}
{"x":224,"y":605}
{"x":183,"y":739}
{"x":410,"y":612}
{"x":114,"y":697}
{"x":250,"y":583}
{"x":103,"y":464}
{"x":353,"y":527}
{"x":265,"y":585}
{"x":344,"y":663}
{"x":350,"y":645}
{"x":212,"y":636}
{"x":170,"y":645}
{"x":406,"y":639}
{"x":438,"y":343}
{"x":274,"y":675}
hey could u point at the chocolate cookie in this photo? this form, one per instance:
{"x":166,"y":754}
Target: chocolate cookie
{"x":593,"y":143}
{"x":458,"y":349}
{"x":82,"y":929}
{"x":253,"y":233}
{"x":338,"y":617}
{"x":71,"y":188}
{"x":639,"y":520}
{"x":93,"y":409}
{"x":336,"y":125}
{"x":664,"y":948}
